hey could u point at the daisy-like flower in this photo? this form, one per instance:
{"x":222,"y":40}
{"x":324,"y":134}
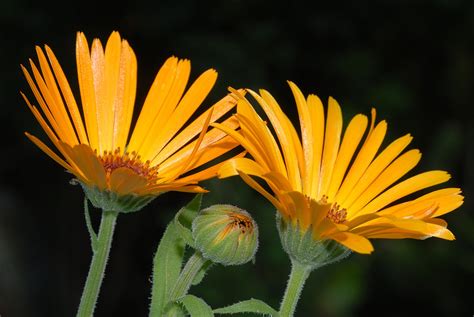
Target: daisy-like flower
{"x":337,"y":186}
{"x":117,"y":168}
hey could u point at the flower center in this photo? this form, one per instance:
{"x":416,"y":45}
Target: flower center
{"x":113,"y":160}
{"x":336,"y":213}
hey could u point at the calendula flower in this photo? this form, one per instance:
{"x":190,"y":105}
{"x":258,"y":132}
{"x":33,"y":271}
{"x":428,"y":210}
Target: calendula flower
{"x":94,"y":142}
{"x":333,"y":184}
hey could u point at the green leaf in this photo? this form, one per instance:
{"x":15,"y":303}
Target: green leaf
{"x":196,"y":307}
{"x":169,"y":256}
{"x":184,"y":219}
{"x":248,"y":306}
{"x":166,"y":268}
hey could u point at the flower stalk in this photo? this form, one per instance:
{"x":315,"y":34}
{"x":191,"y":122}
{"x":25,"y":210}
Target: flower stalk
{"x":99,"y":261}
{"x":298,"y":276}
{"x":195,"y":263}
{"x":186,"y":278}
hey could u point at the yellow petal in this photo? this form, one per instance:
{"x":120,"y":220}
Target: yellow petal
{"x":402,"y":228}
{"x":86,"y":85}
{"x":176,"y":187}
{"x":51,"y":135}
{"x":331,"y":144}
{"x":125,"y":97}
{"x":212,"y":137}
{"x":54,"y":156}
{"x":103,"y":106}
{"x":317,"y":119}
{"x":68,"y":96}
{"x":362,"y":161}
{"x":49,"y":116}
{"x":124,"y":181}
{"x":405,"y":188}
{"x":186,"y":107}
{"x":52,"y":97}
{"x":258,"y":133}
{"x":88,"y":164}
{"x":306,"y":126}
{"x":220,"y":108}
{"x":354,"y":242}
{"x":285,"y":133}
{"x":255,"y":128}
{"x":207,"y":173}
{"x":390,"y":175}
{"x":233,"y":166}
{"x":154,"y":102}
{"x":352,"y":136}
{"x":252,"y":183}
{"x":376,"y":167}
{"x":303,"y":211}
{"x":184,"y":166}
{"x":443,"y":201}
{"x":249,"y":146}
{"x":159,"y":128}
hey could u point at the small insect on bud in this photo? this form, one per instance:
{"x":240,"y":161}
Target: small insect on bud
{"x":225,"y":234}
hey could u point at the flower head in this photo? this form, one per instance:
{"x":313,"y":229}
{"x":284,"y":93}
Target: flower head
{"x":94,"y":141}
{"x":342,"y":187}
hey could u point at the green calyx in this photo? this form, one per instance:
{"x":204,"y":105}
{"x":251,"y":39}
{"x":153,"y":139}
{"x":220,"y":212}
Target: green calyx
{"x":108,"y":200}
{"x":304,"y":249}
{"x":225,"y":234}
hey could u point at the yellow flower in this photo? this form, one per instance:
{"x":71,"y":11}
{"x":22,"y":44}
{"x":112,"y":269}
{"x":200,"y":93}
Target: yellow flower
{"x":94,"y":143}
{"x":337,"y":186}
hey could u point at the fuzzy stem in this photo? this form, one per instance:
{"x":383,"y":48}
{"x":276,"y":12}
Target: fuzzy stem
{"x":299,"y":274}
{"x":186,"y":278}
{"x":97,"y":268}
{"x":189,"y":272}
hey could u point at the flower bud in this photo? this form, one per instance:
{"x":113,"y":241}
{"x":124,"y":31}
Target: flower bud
{"x":303,"y":248}
{"x":225,"y":234}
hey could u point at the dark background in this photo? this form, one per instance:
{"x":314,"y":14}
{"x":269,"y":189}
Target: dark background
{"x":413,"y":60}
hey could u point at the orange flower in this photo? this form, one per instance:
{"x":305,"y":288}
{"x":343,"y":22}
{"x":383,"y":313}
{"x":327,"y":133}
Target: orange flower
{"x":332,"y":184}
{"x":95,"y":143}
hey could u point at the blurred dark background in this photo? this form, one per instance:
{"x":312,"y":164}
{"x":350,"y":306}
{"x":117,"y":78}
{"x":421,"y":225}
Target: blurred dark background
{"x":413,"y":60}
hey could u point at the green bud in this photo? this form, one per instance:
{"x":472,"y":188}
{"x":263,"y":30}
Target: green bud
{"x":225,"y":234}
{"x":110,"y":201}
{"x":303,"y":248}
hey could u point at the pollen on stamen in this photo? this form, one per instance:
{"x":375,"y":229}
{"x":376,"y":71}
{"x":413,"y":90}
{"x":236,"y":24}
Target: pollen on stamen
{"x":114,"y":160}
{"x":337,"y":214}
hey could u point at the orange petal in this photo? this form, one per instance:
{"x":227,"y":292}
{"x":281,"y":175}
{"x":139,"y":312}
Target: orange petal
{"x":124,"y":181}
{"x":354,"y":242}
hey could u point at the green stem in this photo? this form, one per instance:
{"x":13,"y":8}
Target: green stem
{"x":187,"y":275}
{"x":299,"y":274}
{"x":97,"y":268}
{"x":186,"y":278}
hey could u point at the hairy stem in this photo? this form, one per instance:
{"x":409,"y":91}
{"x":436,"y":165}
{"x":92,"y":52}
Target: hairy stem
{"x":99,"y":261}
{"x":299,"y":274}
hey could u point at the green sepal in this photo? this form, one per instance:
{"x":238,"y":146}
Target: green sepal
{"x":196,"y":306}
{"x":108,"y":200}
{"x":184,"y":218}
{"x":248,"y":306}
{"x":304,"y":249}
